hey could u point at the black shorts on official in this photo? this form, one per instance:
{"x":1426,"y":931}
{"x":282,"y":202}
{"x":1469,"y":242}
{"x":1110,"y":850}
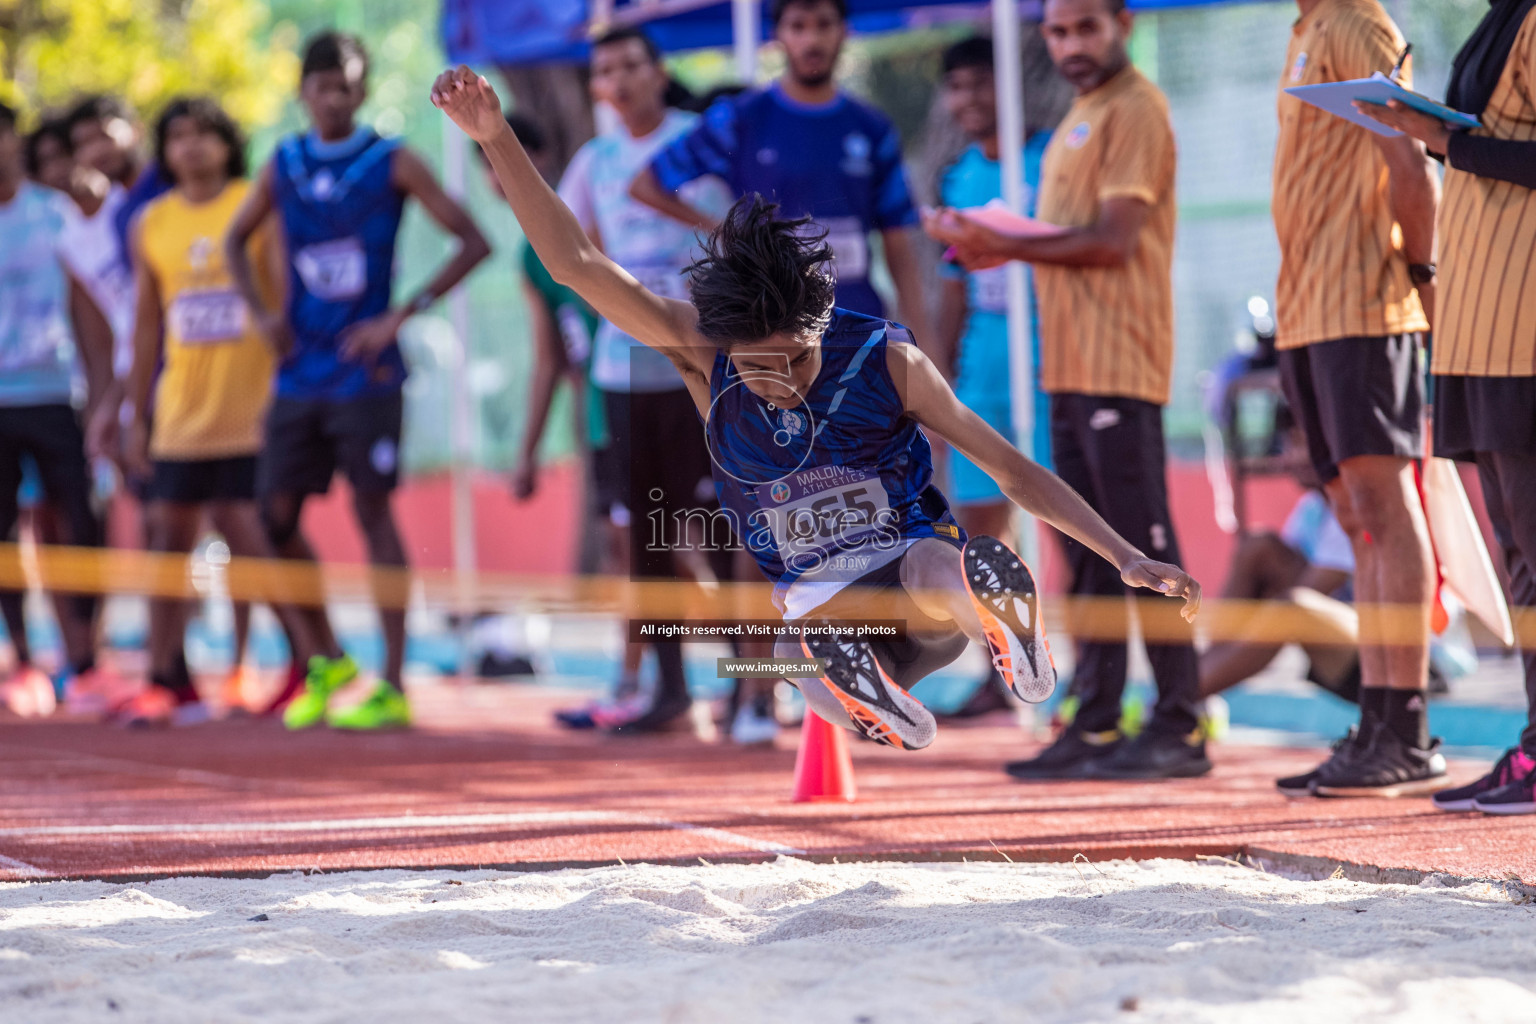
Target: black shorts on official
{"x":194,"y":481}
{"x":309,"y":439}
{"x":1357,"y":396}
{"x":1484,"y":414}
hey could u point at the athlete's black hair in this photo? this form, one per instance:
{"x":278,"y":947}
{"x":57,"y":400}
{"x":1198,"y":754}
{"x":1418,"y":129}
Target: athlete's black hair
{"x":332,"y":51}
{"x":975,"y":52}
{"x":210,"y":117}
{"x":54,"y":129}
{"x":97,"y":108}
{"x":1113,"y":6}
{"x":761,"y":275}
{"x":776,"y":12}
{"x":7,"y":118}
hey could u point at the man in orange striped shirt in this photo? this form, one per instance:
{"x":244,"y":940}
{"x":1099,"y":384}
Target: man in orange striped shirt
{"x":1485,"y":341}
{"x":1354,"y":212}
{"x":1106,"y":347}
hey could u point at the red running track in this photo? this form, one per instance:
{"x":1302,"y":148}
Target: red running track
{"x":485,"y":780}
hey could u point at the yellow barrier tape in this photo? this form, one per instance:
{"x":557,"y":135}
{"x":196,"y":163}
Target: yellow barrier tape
{"x":159,"y":575}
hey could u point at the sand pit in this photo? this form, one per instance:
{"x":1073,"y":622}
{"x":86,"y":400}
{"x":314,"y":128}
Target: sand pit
{"x":785,"y":941}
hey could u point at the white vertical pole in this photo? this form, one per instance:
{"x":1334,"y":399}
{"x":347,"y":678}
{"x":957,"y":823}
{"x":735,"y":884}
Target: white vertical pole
{"x":746,"y":24}
{"x":461,"y":423}
{"x":1010,"y":137}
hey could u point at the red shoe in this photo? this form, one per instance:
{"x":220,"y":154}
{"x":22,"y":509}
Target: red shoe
{"x":158,"y":706}
{"x":98,"y":691}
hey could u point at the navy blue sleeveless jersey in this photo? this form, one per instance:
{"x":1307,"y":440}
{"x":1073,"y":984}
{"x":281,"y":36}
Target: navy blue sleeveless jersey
{"x":340,"y":212}
{"x":844,"y":474}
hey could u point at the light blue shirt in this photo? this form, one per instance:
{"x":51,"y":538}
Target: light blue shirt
{"x":36,"y":348}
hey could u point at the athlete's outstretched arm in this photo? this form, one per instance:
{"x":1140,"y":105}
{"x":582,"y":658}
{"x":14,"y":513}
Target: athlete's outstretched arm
{"x":1032,"y":487}
{"x":567,"y":252}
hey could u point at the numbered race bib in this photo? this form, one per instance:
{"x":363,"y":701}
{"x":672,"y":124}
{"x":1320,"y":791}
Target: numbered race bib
{"x":990,"y":288}
{"x":818,"y":511}
{"x":334,"y":271}
{"x":666,"y":280}
{"x":208,"y":317}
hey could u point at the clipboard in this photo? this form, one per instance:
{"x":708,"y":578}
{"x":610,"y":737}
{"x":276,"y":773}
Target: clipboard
{"x":1338,"y":98}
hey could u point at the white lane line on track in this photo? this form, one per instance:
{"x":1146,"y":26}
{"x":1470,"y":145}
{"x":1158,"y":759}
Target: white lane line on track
{"x":22,"y":868}
{"x":404,"y":822}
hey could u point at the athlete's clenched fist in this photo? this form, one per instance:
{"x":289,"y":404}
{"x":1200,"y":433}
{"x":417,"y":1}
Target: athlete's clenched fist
{"x":470,"y":101}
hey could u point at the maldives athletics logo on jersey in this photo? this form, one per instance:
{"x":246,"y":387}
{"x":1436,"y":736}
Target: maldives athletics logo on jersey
{"x":779,"y":492}
{"x":856,"y":151}
{"x":1299,"y":67}
{"x":1078,"y":136}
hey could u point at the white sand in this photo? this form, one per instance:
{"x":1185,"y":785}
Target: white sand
{"x":789,"y":941}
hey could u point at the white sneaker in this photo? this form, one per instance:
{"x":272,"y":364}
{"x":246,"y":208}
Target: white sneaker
{"x":752,"y":726}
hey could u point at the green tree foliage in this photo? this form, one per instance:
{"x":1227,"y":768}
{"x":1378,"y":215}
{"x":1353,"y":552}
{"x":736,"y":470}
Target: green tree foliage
{"x":145,"y":51}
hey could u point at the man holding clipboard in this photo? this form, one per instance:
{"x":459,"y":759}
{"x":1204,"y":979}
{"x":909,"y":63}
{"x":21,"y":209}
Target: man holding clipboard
{"x":1355,"y":212}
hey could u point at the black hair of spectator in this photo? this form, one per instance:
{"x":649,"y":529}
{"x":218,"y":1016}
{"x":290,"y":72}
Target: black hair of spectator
{"x":54,"y":129}
{"x":776,"y":12}
{"x":975,"y":52}
{"x":761,"y":275}
{"x":7,"y":118}
{"x":624,"y":34}
{"x":527,"y":132}
{"x":332,"y":51}
{"x":97,"y":108}
{"x":209,"y":116}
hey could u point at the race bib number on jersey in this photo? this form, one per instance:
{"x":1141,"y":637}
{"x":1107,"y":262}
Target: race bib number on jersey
{"x":850,"y":247}
{"x":819,"y":511}
{"x":334,"y":271}
{"x":208,"y":317}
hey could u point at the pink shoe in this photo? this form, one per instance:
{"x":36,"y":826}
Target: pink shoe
{"x":29,"y":693}
{"x":158,"y":706}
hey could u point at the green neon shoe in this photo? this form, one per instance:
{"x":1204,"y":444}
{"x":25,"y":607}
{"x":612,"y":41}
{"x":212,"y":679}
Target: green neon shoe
{"x":385,"y":708}
{"x":325,"y":677}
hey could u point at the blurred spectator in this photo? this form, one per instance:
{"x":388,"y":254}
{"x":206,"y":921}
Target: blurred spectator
{"x":339,"y":191}
{"x":814,"y":150}
{"x":39,"y":301}
{"x":105,"y":135}
{"x":658,"y":450}
{"x":971,"y":344}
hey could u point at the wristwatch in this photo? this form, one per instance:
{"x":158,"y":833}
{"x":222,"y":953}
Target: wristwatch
{"x":1421,"y":273}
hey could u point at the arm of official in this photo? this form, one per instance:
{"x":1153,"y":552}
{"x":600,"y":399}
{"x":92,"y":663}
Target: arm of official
{"x":1035,"y":489}
{"x":1109,"y":241}
{"x":570,"y":256}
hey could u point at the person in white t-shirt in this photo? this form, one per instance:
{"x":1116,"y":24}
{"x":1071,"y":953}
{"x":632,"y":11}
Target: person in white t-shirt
{"x":652,"y":421}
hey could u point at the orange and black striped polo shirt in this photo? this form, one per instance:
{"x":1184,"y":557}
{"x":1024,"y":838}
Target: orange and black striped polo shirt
{"x":1109,"y":330}
{"x":1487,"y":234}
{"x":1342,"y":269}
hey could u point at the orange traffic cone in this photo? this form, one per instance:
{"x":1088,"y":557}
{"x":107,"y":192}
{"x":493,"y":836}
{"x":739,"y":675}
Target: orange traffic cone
{"x":823,"y":769}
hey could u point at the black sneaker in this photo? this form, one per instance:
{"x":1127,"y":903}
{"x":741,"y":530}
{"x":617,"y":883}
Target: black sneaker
{"x":1516,"y":798}
{"x":1155,"y":754}
{"x":1301,"y":785}
{"x":1068,"y":757}
{"x":1383,"y":765}
{"x":1515,"y":765}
